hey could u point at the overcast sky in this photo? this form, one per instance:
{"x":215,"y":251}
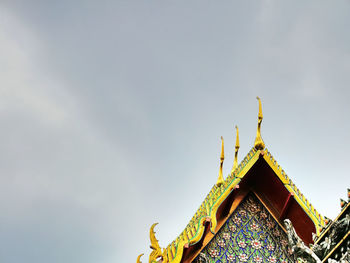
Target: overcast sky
{"x":111,"y":114}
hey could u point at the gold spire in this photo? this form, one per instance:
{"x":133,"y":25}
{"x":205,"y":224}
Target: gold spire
{"x":222,"y":157}
{"x":259,"y":143}
{"x":235,"y":162}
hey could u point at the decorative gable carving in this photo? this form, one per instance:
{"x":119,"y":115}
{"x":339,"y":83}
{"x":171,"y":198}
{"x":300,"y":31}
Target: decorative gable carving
{"x":250,"y":234}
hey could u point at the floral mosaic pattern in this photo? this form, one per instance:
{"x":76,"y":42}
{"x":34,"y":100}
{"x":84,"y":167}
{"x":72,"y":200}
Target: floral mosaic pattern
{"x":251,"y":234}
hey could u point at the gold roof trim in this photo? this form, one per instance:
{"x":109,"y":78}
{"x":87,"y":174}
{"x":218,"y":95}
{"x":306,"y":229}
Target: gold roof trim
{"x":298,"y":196}
{"x":194,"y":230}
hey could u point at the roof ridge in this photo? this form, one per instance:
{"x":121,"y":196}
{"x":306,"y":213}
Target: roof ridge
{"x":191,"y":233}
{"x":194,"y":230}
{"x":299,"y":196}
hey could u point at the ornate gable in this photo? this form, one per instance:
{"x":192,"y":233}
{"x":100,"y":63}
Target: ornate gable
{"x":259,"y":173}
{"x":251,"y":234}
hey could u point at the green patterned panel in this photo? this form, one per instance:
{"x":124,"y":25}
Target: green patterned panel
{"x":251,"y":234}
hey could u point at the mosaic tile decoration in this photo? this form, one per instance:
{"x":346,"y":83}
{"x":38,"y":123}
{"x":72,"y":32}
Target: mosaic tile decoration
{"x":251,"y":234}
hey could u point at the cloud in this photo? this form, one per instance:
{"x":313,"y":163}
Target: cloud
{"x":53,"y":197}
{"x":25,"y":87}
{"x":111,"y":115}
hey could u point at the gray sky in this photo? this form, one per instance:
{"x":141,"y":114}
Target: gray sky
{"x":111,"y":114}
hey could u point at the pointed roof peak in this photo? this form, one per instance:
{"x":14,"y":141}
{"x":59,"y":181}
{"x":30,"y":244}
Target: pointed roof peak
{"x":205,"y":218}
{"x":209,"y":216}
{"x":259,"y":143}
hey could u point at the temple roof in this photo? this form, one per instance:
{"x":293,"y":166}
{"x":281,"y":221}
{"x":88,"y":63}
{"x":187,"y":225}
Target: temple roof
{"x":194,"y":231}
{"x":205,"y":218}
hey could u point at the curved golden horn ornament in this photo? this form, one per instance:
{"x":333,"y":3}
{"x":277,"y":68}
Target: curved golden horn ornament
{"x":156,"y":250}
{"x":138,"y":258}
{"x":222,"y":157}
{"x":235,"y":161}
{"x":259,"y":143}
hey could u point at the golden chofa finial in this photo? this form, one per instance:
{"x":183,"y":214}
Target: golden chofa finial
{"x":138,"y":258}
{"x":259,"y":143}
{"x":220,"y":180}
{"x":156,"y":250}
{"x":235,"y":162}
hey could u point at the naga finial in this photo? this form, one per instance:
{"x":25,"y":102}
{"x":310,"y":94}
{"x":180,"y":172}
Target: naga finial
{"x":259,"y":143}
{"x":156,"y":250}
{"x":222,"y":157}
{"x":138,"y":258}
{"x":235,"y":162}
